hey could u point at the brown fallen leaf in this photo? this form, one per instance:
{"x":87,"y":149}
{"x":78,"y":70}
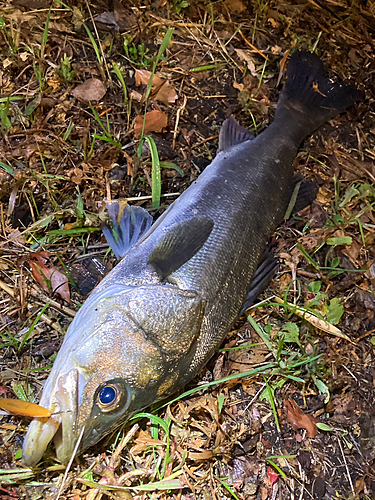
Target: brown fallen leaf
{"x":299,"y":420}
{"x":246,"y":56}
{"x":155,"y":122}
{"x":48,"y":276}
{"x":166,"y":93}
{"x":90,"y":90}
{"x":32,"y":4}
{"x":136,"y":96}
{"x":235,"y":6}
{"x":142,"y":77}
{"x":163,"y":91}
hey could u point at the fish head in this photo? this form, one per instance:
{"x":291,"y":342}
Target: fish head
{"x":124,"y":350}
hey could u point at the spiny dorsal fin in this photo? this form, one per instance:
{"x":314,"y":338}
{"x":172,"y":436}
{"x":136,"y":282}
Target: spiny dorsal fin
{"x":129,"y":225}
{"x":232,"y":133}
{"x":182,"y":241}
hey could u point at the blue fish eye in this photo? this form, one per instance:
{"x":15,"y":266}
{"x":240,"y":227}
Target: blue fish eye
{"x":110,"y":396}
{"x":107,"y":395}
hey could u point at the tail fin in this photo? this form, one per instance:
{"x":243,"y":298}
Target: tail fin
{"x":311,"y":94}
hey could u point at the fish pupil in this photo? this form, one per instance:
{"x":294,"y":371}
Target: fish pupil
{"x":107,"y":395}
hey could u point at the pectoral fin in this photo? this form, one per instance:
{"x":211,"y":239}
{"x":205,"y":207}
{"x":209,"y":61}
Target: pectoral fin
{"x":128,"y":225}
{"x":181,"y":242}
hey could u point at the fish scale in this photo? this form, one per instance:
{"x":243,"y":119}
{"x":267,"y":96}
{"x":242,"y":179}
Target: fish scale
{"x":158,"y":316}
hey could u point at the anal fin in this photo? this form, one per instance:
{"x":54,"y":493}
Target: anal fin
{"x":303,"y":193}
{"x":263,"y":275}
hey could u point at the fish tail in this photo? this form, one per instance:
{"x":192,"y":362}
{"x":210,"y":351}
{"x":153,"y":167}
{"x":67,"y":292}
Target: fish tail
{"x":310,"y":95}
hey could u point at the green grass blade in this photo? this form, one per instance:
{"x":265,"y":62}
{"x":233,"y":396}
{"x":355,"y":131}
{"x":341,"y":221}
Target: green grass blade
{"x":155,"y":173}
{"x":35,"y":322}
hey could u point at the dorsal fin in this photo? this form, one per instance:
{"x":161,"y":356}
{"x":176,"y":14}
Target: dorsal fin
{"x":128,"y":226}
{"x":232,"y":133}
{"x":180,"y":243}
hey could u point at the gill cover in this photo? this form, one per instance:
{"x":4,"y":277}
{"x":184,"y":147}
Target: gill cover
{"x":139,"y":342}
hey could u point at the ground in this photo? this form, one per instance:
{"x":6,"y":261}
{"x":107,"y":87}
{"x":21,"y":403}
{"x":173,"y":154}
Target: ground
{"x":75,"y":82}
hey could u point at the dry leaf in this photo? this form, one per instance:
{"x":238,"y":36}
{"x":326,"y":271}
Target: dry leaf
{"x":163,"y":90}
{"x":315,"y":321}
{"x":48,"y":276}
{"x":91,"y":90}
{"x":245,"y":56}
{"x":142,"y":76}
{"x":234,"y":6}
{"x":166,"y":93}
{"x":202,"y":455}
{"x":78,"y":18}
{"x":299,"y":420}
{"x":32,"y":4}
{"x":155,"y":122}
{"x":239,"y":86}
{"x":282,"y":66}
{"x":136,"y":96}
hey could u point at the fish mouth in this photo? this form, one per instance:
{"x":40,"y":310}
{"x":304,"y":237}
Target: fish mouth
{"x":62,"y":425}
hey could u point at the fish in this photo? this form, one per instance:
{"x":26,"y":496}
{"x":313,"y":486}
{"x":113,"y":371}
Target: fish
{"x":155,"y":320}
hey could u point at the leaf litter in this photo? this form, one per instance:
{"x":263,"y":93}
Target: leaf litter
{"x":68,"y":121}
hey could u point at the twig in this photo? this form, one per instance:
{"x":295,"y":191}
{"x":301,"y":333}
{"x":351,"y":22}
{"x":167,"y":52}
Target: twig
{"x":346,"y":466}
{"x":35,"y":292}
{"x":70,"y":463}
{"x":43,"y":317}
{"x":253,"y":46}
{"x":178,"y":114}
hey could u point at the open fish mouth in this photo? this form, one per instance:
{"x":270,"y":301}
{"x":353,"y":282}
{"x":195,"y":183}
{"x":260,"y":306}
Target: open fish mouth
{"x":61,"y":426}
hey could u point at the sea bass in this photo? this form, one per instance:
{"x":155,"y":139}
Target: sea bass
{"x":154,"y":321}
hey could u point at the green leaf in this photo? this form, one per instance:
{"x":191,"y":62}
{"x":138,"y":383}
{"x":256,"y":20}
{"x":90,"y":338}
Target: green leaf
{"x":291,"y":333}
{"x":220,"y":402}
{"x":19,"y":391}
{"x":314,"y":286}
{"x":350,"y":193}
{"x":7,"y":168}
{"x":173,"y":166}
{"x":154,"y":420}
{"x":335,"y":262}
{"x":18,"y":455}
{"x":322,"y":388}
{"x":88,"y":475}
{"x":342,"y":240}
{"x":324,"y":427}
{"x":335,"y":311}
{"x":307,"y":256}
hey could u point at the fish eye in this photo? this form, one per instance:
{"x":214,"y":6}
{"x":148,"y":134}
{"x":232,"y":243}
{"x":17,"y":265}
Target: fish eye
{"x":109,"y":397}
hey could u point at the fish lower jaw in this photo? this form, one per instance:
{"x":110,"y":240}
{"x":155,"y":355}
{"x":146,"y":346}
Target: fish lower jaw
{"x":38,"y":437}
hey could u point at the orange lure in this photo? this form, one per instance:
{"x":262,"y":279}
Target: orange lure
{"x":24,"y":408}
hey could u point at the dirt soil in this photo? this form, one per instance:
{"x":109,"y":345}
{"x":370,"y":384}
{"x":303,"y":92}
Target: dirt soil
{"x":75,"y":81}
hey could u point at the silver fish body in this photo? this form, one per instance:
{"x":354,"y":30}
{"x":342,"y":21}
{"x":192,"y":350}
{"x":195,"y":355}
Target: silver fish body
{"x":143,"y":333}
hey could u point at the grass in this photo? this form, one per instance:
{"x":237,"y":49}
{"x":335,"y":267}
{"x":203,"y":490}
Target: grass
{"x":42,"y":148}
{"x":155,"y":172}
